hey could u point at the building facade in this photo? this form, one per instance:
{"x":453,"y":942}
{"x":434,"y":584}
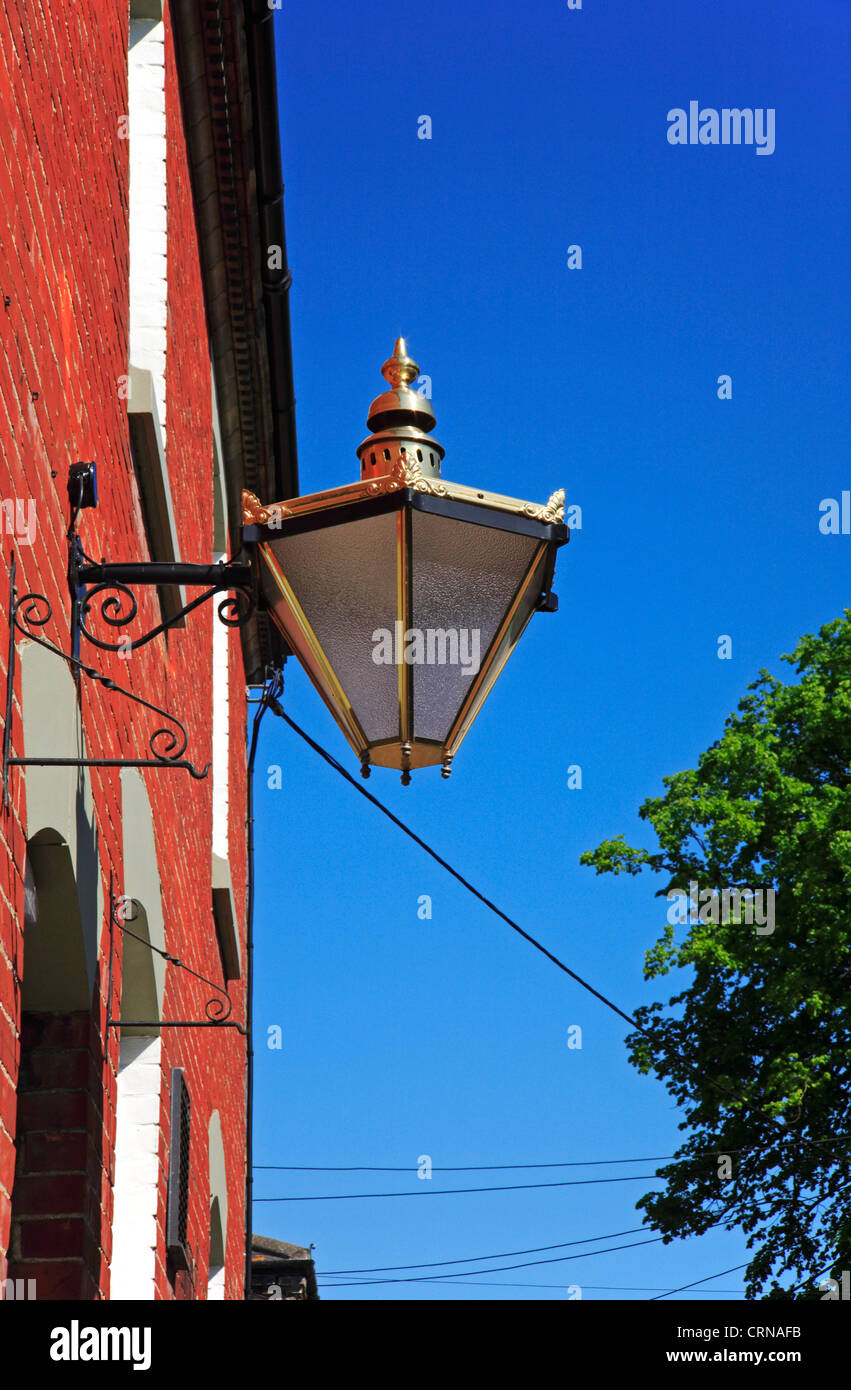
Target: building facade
{"x":143,"y":325}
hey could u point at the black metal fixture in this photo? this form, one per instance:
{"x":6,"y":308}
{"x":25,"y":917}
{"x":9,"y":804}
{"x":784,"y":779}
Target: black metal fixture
{"x":82,"y":487}
{"x":217,"y":1009}
{"x":90,"y":581}
{"x":167,"y":743}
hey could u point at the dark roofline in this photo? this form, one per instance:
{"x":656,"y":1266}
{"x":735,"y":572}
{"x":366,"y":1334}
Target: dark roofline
{"x":279,"y":1249}
{"x":228,"y":83}
{"x":262,"y":66}
{"x":270,"y":1257}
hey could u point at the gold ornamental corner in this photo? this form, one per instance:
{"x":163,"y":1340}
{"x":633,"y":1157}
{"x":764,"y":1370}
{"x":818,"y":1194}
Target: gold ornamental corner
{"x":406,"y":472}
{"x":550,"y":511}
{"x":253,"y":511}
{"x":255,"y":514}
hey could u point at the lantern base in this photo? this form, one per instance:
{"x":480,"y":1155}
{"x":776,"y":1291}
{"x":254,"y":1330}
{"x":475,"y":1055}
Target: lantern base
{"x":408,"y":755}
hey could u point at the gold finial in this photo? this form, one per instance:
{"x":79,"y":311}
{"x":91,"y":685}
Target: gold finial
{"x":400,"y":420}
{"x":400,"y":369}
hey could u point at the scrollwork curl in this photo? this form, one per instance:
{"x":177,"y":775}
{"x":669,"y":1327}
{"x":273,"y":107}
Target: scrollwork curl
{"x":166,"y":744}
{"x":236,"y":609}
{"x":218,"y":1009}
{"x":111,"y":609}
{"x":28,"y":609}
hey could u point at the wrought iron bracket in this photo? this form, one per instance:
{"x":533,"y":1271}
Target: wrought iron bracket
{"x":167,"y":743}
{"x":113,"y":584}
{"x":123,"y":910}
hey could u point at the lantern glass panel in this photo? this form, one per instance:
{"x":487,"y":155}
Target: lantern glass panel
{"x":344,"y":578}
{"x":465,"y":579}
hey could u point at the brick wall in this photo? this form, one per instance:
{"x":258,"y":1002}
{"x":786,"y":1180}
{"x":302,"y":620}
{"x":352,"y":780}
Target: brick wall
{"x":63,"y":353}
{"x":56,"y":1237}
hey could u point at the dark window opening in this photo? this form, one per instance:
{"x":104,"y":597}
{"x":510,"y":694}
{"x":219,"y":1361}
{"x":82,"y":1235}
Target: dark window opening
{"x":177,"y":1209}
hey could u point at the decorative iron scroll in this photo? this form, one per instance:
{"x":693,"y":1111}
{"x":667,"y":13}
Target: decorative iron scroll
{"x":234,"y":611}
{"x":166,"y":744}
{"x":218,"y":1008}
{"x":108,"y":589}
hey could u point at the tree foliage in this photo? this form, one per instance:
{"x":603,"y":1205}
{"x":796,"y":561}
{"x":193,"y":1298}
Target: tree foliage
{"x":756,"y":1048}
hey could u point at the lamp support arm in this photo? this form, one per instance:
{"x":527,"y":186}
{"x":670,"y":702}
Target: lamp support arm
{"x":112,"y":583}
{"x":230,"y":575}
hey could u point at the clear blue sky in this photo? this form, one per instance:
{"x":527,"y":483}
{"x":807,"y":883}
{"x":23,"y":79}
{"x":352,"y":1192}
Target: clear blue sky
{"x":447,"y":1037}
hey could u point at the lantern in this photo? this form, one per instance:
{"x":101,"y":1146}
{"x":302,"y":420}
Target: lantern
{"x":403,"y":595}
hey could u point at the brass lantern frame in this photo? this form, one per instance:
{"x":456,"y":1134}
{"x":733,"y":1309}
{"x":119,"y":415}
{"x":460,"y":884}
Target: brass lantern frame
{"x":404,"y":490}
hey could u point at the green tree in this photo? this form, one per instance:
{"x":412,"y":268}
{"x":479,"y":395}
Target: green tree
{"x":756,"y":1047}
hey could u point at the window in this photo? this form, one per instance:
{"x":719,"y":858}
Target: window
{"x":177,"y":1211}
{"x":216,"y":1279}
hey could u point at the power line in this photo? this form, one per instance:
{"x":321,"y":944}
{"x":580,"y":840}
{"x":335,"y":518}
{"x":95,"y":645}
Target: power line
{"x":501,"y":1255}
{"x":501,"y":1167}
{"x":497,"y":1269}
{"x":275,"y":705}
{"x":338,"y":767}
{"x":695,"y":1282}
{"x":473,"y":1168}
{"x":506,"y":1284}
{"x":456,"y":1191}
{"x":623,"y":1288}
{"x":277,"y":708}
{"x":510,"y":1254}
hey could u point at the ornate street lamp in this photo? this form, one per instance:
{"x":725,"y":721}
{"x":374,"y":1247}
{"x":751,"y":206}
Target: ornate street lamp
{"x":403,"y":595}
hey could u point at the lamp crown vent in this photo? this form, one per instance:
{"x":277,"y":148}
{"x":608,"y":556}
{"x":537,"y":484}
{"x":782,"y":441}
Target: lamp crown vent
{"x":401,"y":420}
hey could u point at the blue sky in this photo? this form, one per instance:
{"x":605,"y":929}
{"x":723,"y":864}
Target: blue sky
{"x":700,"y":517}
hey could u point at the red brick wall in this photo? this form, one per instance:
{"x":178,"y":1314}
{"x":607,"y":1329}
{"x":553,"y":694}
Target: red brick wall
{"x":64,"y":335}
{"x":57,"y":1235}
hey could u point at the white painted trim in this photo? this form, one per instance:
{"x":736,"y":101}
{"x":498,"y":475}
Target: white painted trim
{"x":137,"y":1138}
{"x":148,"y":210}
